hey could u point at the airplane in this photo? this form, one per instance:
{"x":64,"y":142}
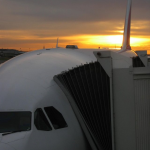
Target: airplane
{"x":75,"y":99}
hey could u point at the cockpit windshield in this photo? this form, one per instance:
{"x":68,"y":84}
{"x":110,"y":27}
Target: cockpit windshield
{"x":15,"y":121}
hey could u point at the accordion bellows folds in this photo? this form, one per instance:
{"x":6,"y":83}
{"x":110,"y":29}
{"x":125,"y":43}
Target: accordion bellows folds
{"x":89,"y":86}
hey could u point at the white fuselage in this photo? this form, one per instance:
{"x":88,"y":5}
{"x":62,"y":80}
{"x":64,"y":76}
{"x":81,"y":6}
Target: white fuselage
{"x":26,"y":83}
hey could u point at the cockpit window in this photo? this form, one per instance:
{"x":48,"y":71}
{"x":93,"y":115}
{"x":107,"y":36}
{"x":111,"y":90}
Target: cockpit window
{"x":15,"y":121}
{"x":55,"y":117}
{"x":40,"y":121}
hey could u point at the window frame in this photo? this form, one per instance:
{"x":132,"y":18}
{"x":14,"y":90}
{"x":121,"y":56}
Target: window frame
{"x":50,"y":126}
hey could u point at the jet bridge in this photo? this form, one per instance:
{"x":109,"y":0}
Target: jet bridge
{"x":111,"y":100}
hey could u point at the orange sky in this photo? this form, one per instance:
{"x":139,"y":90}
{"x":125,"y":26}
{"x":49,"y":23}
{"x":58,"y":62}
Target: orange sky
{"x":88,"y":26}
{"x":25,"y":41}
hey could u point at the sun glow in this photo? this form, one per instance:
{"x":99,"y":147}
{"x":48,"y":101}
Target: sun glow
{"x":24,"y":41}
{"x":114,"y":40}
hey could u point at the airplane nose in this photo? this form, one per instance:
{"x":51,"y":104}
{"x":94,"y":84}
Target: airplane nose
{"x":5,"y":147}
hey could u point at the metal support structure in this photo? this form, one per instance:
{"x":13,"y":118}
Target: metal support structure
{"x":104,"y":58}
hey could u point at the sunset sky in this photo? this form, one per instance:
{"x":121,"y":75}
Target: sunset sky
{"x":31,"y":24}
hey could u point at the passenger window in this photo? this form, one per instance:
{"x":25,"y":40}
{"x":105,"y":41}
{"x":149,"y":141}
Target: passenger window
{"x":55,"y":117}
{"x":40,"y":121}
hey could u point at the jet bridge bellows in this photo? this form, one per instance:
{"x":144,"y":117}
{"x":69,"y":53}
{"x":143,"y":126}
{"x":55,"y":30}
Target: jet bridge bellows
{"x":89,"y":86}
{"x":111,"y":99}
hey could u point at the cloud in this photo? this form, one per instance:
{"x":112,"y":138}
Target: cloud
{"x":72,"y":10}
{"x":29,"y":13}
{"x":40,"y":20}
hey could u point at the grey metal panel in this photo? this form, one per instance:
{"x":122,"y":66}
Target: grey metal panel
{"x":144,"y":76}
{"x":105,"y":60}
{"x":124,"y":112}
{"x":141,"y":70}
{"x":142,"y":109}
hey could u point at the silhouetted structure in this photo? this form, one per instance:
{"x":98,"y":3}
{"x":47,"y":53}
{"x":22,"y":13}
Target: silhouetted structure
{"x":10,"y":52}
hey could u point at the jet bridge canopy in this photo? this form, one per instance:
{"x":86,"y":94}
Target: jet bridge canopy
{"x":110,"y":98}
